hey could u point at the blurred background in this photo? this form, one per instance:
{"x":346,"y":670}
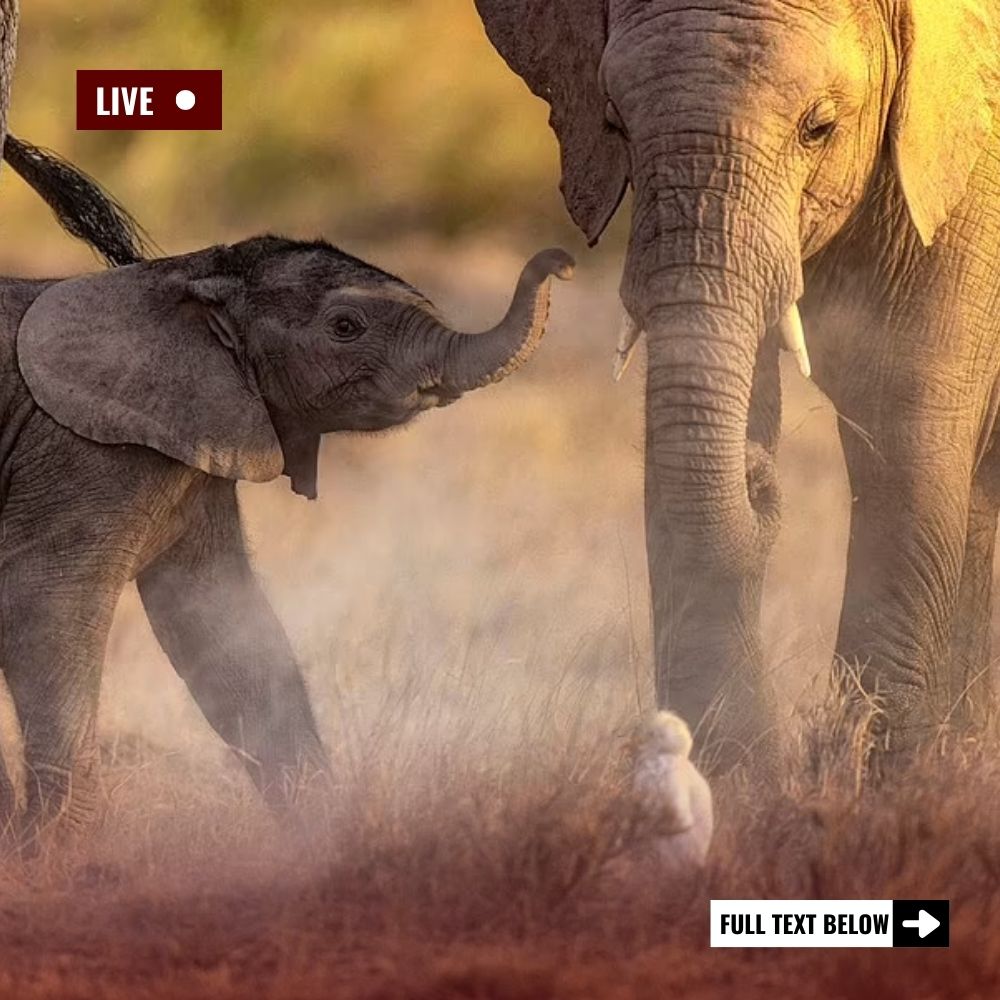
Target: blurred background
{"x":358,"y":119}
{"x":487,"y":563}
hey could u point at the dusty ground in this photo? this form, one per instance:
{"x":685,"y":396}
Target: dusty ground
{"x":469,"y":598}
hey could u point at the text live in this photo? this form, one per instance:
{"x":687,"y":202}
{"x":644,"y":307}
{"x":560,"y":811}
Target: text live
{"x":134,"y":100}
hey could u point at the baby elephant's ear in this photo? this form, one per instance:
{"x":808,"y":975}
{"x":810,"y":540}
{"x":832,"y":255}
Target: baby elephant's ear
{"x":129,"y":357}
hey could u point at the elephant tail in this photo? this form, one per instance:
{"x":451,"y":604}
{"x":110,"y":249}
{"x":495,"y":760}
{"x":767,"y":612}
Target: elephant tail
{"x":83,"y":208}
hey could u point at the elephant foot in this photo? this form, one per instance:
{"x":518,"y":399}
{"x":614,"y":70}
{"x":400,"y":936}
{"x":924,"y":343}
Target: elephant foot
{"x":62,"y":807}
{"x":885,"y":727}
{"x":727,"y":741}
{"x":892,"y":753}
{"x":294,"y":791}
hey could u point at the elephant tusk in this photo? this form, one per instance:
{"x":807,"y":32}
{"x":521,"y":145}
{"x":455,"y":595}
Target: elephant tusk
{"x":628,"y":338}
{"x":793,"y":338}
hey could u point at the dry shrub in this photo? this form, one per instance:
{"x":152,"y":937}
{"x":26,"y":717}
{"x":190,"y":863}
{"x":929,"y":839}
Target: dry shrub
{"x":458,"y":877}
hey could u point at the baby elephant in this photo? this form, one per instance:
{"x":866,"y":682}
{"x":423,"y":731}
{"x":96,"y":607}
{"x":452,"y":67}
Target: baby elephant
{"x":131,"y":402}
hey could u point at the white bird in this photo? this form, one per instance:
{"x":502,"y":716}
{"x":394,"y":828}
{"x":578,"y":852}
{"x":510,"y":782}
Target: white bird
{"x":671,"y":794}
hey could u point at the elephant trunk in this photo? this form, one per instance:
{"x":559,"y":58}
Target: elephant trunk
{"x":475,"y":360}
{"x":707,"y":279}
{"x":700,"y":376}
{"x":713,"y":271}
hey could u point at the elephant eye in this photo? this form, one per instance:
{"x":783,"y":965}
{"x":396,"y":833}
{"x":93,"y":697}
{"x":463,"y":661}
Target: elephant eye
{"x":819,"y":123}
{"x":347,"y":326}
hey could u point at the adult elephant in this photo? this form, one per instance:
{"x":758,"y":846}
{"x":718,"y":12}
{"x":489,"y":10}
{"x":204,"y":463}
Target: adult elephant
{"x":838,"y":157}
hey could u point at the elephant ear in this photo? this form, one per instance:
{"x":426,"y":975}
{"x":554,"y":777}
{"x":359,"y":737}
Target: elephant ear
{"x":130,"y":357}
{"x":945,"y":103}
{"x":556,"y":46}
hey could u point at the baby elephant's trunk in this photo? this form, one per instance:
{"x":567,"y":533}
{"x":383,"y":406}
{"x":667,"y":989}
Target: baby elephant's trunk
{"x":475,"y":360}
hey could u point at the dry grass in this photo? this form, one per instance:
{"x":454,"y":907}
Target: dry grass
{"x":469,"y":599}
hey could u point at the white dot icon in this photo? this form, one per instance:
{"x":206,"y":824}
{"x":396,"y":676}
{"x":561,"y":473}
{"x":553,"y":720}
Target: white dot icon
{"x":184,"y":100}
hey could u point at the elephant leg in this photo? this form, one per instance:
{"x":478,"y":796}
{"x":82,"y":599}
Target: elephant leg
{"x":971,"y":691}
{"x":212,"y":619}
{"x":709,"y":659}
{"x":56,"y":623}
{"x":77,"y":520}
{"x":909,"y":527}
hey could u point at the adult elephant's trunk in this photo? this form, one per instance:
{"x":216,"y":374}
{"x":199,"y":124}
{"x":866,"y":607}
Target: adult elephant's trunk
{"x":476,"y":360}
{"x":699,"y":386}
{"x":708,"y":278}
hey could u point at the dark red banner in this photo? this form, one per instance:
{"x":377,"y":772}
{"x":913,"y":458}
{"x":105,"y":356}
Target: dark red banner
{"x":143,"y":99}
